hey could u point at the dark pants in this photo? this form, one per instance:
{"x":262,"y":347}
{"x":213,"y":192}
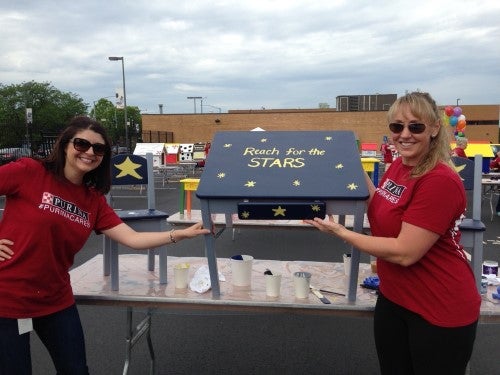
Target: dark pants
{"x":407,"y":344}
{"x":62,"y":335}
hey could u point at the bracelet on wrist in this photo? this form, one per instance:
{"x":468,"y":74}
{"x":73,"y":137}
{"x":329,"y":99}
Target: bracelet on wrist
{"x":172,"y":239}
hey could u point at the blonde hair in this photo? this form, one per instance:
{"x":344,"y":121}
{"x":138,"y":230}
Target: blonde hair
{"x":422,"y":106}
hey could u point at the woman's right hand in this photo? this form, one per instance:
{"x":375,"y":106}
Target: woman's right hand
{"x":5,"y":251}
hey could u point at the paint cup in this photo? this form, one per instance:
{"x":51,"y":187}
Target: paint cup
{"x":302,"y":282}
{"x":347,"y":264}
{"x":490,"y":267}
{"x":241,"y":269}
{"x":373,"y":264}
{"x":273,"y":285}
{"x":181,"y":275}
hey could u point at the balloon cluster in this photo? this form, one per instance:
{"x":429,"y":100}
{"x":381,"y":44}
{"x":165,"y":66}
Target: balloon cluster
{"x":453,"y":116}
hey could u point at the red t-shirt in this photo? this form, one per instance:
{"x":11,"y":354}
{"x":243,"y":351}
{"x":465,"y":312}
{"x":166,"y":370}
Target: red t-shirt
{"x":495,"y":163}
{"x":387,"y":153}
{"x":49,"y":221}
{"x":458,"y":151}
{"x":440,"y":287}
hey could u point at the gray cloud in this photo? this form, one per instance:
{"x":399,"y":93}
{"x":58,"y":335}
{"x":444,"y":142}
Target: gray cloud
{"x":253,"y":54}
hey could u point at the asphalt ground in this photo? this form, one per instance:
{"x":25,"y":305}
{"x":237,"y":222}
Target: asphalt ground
{"x":200,"y":342}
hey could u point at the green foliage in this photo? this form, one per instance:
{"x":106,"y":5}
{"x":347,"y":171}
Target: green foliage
{"x":51,"y":108}
{"x":113,"y":119}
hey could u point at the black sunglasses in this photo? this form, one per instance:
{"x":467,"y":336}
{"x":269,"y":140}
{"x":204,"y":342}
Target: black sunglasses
{"x":413,"y":127}
{"x":83,"y":145}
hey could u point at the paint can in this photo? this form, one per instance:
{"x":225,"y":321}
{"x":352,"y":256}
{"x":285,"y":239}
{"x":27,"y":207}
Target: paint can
{"x":490,"y":267}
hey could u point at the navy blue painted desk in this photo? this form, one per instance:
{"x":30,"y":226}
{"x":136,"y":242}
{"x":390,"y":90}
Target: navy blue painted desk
{"x":274,"y":171}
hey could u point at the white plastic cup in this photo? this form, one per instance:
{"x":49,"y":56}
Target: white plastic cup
{"x":347,"y":264}
{"x":302,"y":283}
{"x":181,"y":275}
{"x":241,"y":269}
{"x":273,"y":285}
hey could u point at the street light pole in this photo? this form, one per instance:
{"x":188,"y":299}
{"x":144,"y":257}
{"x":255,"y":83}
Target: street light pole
{"x":458,"y":100}
{"x":194,"y":100}
{"x":116,"y":58}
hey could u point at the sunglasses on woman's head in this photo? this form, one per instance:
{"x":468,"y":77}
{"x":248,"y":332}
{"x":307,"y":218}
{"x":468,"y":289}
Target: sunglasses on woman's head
{"x":413,"y":127}
{"x":83,"y":145}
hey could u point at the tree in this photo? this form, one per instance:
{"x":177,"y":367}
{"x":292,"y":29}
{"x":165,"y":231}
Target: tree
{"x":51,"y":108}
{"x":112,"y":119}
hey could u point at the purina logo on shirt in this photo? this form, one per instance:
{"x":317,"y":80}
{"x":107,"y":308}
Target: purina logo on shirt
{"x":393,"y":188}
{"x":64,"y":208}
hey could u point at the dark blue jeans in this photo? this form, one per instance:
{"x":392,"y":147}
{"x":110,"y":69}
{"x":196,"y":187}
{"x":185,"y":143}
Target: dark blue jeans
{"x":62,"y":335}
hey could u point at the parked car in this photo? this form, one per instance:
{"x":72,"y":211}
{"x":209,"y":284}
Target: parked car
{"x":116,"y":150}
{"x":13,"y":153}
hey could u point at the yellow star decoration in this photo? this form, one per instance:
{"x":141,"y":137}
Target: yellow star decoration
{"x":227,"y":145}
{"x":315,"y":207}
{"x":263,"y":140}
{"x":352,"y":186}
{"x":339,"y":166}
{"x":328,"y":138}
{"x":221,"y":175}
{"x":459,"y":168}
{"x":128,"y":167}
{"x":245,"y":214}
{"x":279,"y":211}
{"x":296,"y":183}
{"x":250,"y":184}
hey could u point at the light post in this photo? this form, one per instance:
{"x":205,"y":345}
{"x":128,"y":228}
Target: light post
{"x":194,"y":100}
{"x":116,"y":58}
{"x":458,"y":100}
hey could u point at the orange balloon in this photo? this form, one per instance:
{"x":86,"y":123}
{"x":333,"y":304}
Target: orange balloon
{"x":461,"y":126}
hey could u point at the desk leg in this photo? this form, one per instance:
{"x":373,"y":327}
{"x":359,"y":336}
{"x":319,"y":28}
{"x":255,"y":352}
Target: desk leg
{"x":492,"y":193}
{"x":132,"y":336}
{"x":106,"y":254}
{"x":151,"y":259}
{"x":163,"y":265}
{"x":114,"y":265}
{"x":477,"y":257}
{"x":210,"y":250}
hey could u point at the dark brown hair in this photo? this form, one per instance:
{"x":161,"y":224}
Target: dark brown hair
{"x":99,"y":178}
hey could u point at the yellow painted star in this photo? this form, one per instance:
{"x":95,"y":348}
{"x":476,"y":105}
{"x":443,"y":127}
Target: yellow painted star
{"x":279,"y":211}
{"x":459,"y":168}
{"x":263,"y":140}
{"x":352,"y":186}
{"x":296,"y":183}
{"x":315,"y":207}
{"x":329,"y":138}
{"x":245,"y":214}
{"x":250,"y":184}
{"x":221,"y":175}
{"x":128,"y":167}
{"x":227,"y":145}
{"x":339,"y":166}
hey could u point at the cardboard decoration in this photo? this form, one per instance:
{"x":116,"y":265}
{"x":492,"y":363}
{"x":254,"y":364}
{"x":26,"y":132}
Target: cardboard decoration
{"x":283,"y":175}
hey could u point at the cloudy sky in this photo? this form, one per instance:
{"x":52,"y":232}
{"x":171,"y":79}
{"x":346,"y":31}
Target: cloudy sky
{"x":244,"y":54}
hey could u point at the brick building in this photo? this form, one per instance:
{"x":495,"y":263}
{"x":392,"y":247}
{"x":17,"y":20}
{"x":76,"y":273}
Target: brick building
{"x":369,"y":125}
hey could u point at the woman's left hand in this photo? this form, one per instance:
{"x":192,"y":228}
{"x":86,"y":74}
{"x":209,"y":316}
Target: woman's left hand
{"x":5,"y":251}
{"x":327,"y":225}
